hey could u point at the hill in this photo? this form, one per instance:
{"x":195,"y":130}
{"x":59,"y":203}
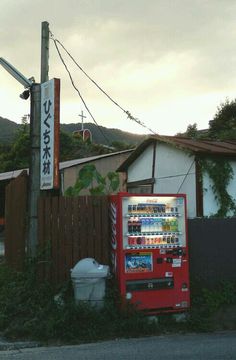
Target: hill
{"x":8,"y":129}
{"x":100,"y":134}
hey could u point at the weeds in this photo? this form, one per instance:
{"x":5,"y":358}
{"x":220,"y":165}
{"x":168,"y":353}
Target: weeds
{"x":28,"y":310}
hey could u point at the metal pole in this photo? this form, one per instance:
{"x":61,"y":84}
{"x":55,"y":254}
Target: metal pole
{"x":34,"y":170}
{"x":44,"y":51}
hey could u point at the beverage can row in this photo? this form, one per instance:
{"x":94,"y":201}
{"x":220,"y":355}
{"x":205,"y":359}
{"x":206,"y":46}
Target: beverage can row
{"x":158,"y":240}
{"x":152,"y":225}
{"x":151,"y":209}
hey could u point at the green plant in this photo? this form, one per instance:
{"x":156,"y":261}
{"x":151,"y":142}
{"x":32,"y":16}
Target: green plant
{"x":28,"y":309}
{"x":221,"y":173}
{"x":206,"y":302}
{"x":90,"y":178}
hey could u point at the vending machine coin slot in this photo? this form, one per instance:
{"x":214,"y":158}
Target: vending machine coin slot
{"x":178,"y":252}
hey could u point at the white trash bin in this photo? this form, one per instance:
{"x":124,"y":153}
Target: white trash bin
{"x":89,"y":279}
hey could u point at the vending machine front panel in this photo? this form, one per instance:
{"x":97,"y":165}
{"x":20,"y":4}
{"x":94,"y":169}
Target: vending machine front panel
{"x":152,"y":251}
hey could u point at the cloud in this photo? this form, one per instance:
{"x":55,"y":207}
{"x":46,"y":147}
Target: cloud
{"x":158,"y":58}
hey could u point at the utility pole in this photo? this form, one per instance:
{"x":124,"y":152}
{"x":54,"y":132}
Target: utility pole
{"x":44,"y":51}
{"x":35,"y":119}
{"x":34,"y":170}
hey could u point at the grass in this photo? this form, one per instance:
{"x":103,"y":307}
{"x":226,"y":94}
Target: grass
{"x":28,"y":310}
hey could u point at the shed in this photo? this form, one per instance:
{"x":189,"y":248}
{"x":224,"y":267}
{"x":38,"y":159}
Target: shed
{"x":69,"y":171}
{"x":171,"y":164}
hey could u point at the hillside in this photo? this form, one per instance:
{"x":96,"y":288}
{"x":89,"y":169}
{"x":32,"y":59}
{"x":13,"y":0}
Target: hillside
{"x":111,"y":134}
{"x":8,"y":129}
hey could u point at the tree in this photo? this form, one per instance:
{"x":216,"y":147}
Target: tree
{"x":192,"y":131}
{"x":223,"y":125}
{"x":17,"y":155}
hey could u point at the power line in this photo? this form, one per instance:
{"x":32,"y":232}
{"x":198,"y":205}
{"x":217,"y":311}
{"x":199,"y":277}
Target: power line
{"x":79,"y":93}
{"x":185,"y":176}
{"x":141,"y":123}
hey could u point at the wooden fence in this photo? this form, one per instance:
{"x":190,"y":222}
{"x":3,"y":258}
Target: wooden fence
{"x":15,"y":221}
{"x":70,"y":229}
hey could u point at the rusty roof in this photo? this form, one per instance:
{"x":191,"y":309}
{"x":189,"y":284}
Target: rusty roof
{"x":195,"y":146}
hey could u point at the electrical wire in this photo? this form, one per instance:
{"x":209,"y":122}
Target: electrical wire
{"x":174,"y":176}
{"x":129,"y":116}
{"x":186,"y":176}
{"x":79,"y":93}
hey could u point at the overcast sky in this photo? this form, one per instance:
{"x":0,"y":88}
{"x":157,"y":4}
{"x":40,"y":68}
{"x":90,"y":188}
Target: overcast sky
{"x":169,"y":62}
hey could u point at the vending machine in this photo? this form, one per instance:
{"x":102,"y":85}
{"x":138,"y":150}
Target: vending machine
{"x":150,"y":250}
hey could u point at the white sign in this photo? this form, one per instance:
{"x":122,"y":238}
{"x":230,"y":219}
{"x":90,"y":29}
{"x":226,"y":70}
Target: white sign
{"x":49,"y":150}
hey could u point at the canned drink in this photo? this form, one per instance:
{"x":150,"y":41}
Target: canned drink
{"x":131,"y":240}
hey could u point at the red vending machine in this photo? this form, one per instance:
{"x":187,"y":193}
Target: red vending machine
{"x":150,"y":250}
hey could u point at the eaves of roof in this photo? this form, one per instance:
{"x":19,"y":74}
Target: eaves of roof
{"x":195,"y":146}
{"x":70,"y":163}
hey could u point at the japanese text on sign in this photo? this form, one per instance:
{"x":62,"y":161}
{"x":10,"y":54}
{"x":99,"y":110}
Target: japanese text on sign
{"x":48,"y":151}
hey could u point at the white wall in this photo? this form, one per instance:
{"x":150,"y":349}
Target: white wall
{"x":141,"y":168}
{"x":175,"y":173}
{"x":210,"y":205}
{"x":171,"y":168}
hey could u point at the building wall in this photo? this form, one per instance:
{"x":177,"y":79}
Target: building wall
{"x":210,"y":205}
{"x":141,"y":168}
{"x":175,"y":173}
{"x":103,"y":166}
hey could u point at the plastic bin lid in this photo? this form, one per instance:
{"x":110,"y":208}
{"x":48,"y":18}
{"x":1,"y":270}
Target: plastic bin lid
{"x":89,"y":268}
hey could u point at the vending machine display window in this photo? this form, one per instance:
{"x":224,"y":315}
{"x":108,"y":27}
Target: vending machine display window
{"x":153,"y":222}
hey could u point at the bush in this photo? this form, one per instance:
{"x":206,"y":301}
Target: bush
{"x":30,"y":310}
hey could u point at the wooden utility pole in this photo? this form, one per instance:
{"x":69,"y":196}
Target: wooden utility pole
{"x":35,"y":119}
{"x":34,"y":169}
{"x":44,"y":51}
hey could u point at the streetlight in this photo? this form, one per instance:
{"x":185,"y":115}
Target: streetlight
{"x":27,"y":83}
{"x":34,"y":90}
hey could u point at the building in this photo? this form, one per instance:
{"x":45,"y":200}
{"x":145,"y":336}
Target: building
{"x":69,"y":171}
{"x":170,"y":164}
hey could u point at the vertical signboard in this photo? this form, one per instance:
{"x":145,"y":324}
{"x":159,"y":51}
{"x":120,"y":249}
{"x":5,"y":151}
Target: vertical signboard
{"x":50,"y":123}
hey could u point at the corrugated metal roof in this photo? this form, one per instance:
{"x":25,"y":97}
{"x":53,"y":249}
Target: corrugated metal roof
{"x":64,"y":164}
{"x":204,"y":147}
{"x":69,"y":163}
{"x":11,"y":174}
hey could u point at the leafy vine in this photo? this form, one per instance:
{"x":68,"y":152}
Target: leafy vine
{"x":221,"y":173}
